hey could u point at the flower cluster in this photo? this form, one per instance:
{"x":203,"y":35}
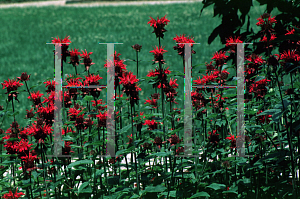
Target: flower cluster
{"x":159,"y":26}
{"x":128,"y":80}
{"x":259,"y":88}
{"x":64,"y":46}
{"x":181,"y":40}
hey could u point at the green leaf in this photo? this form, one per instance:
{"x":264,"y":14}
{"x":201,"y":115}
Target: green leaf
{"x":35,"y":175}
{"x":134,"y":196}
{"x":158,"y":188}
{"x":216,"y":186}
{"x":258,"y":78}
{"x":162,"y":154}
{"x":82,"y":186}
{"x":79,"y":163}
{"x":200,"y":194}
{"x":88,"y":98}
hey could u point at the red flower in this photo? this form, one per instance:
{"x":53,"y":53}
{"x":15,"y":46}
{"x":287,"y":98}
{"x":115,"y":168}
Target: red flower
{"x":87,"y":61}
{"x":65,"y":40}
{"x":68,"y":130}
{"x":152,"y":102}
{"x":265,"y":39}
{"x":259,"y":88}
{"x":130,"y":139}
{"x":22,"y":146}
{"x":179,"y":150}
{"x":180,"y":47}
{"x":128,"y":80}
{"x":29,"y":161}
{"x":152,"y":124}
{"x":266,"y":22}
{"x":219,"y":57}
{"x":93,"y":80}
{"x":233,"y":40}
{"x":102,"y":119}
{"x":233,"y":141}
{"x":290,"y":56}
{"x":29,"y":114}
{"x":64,"y":48}
{"x":263,"y":118}
{"x":213,"y":137}
{"x":40,"y":131}
{"x":74,"y":59}
{"x":12,"y":195}
{"x":24,"y":77}
{"x":120,"y":67}
{"x":50,"y":85}
{"x":99,"y":103}
{"x":174,"y":140}
{"x":290,"y":32}
{"x":67,"y":149}
{"x":11,"y":85}
{"x":159,"y":25}
{"x":158,"y":54}
{"x":158,"y":142}
{"x":173,"y":83}
{"x":47,"y":113}
{"x":36,"y":97}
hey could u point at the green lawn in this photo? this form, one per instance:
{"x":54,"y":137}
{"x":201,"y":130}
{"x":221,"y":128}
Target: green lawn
{"x":24,"y":32}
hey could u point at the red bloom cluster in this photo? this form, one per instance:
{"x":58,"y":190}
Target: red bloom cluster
{"x":230,"y":41}
{"x":159,"y":25}
{"x":36,"y":98}
{"x":151,"y":123}
{"x":170,"y":90}
{"x":174,"y":140}
{"x":233,"y":141}
{"x":12,"y":195}
{"x":11,"y":85}
{"x":102,"y":119}
{"x":40,"y":130}
{"x":120,"y":67}
{"x":158,"y":142}
{"x":158,"y":54}
{"x":180,"y":47}
{"x":29,"y":162}
{"x":152,"y":102}
{"x":159,"y":79}
{"x":263,"y":118}
{"x":64,"y":47}
{"x":213,"y":137}
{"x":198,"y":100}
{"x":253,"y":65}
{"x":76,"y":115}
{"x":87,"y":61}
{"x":219,"y":58}
{"x":266,"y":22}
{"x":128,"y":80}
{"x":74,"y":59}
{"x":259,"y":88}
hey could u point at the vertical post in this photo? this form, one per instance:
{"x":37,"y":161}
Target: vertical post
{"x":187,"y":102}
{"x":110,"y":124}
{"x":58,"y":142}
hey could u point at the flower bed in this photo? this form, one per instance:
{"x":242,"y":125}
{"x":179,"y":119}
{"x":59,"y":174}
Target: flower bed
{"x":150,"y":159}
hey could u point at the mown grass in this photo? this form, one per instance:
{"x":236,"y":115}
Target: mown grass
{"x":24,"y":32}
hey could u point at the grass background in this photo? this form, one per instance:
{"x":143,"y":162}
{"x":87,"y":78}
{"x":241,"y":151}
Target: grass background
{"x":24,"y":32}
